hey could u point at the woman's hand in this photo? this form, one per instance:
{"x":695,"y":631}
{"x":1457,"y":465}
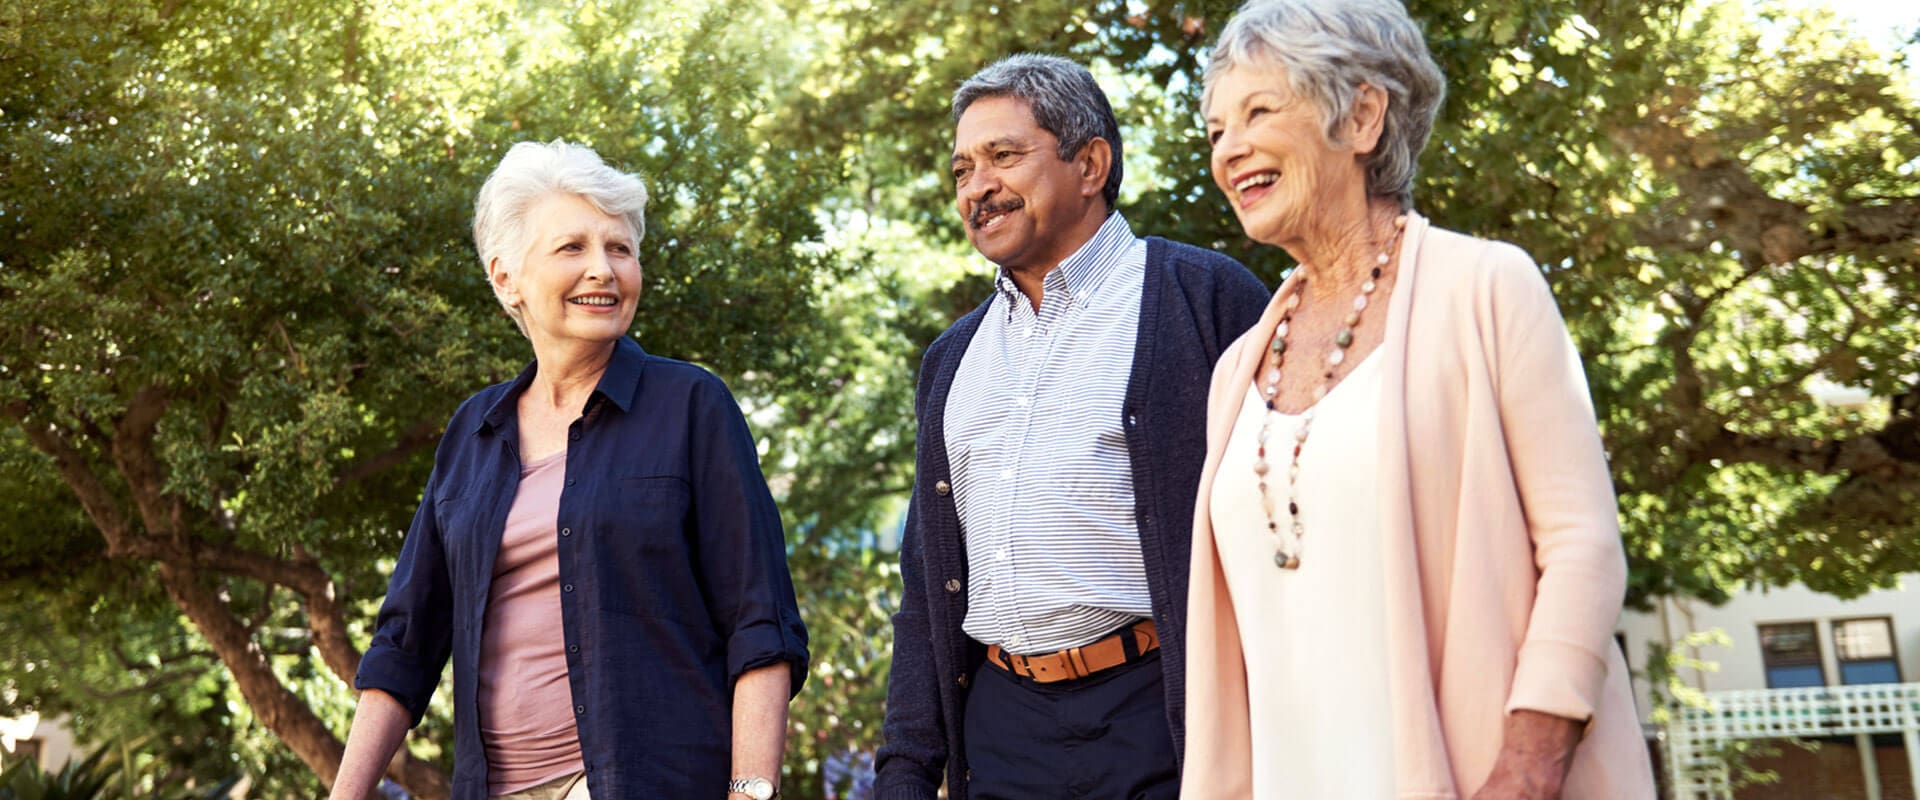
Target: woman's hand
{"x":1536,"y":750}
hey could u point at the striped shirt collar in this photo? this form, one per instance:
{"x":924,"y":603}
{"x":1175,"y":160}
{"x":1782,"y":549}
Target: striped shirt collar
{"x":1083,"y":272}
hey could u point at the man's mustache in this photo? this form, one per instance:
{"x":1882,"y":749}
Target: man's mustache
{"x":984,"y":210}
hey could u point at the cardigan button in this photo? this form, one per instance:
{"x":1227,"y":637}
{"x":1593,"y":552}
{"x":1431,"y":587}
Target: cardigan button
{"x":962,"y":680}
{"x":953,"y":585}
{"x":942,"y":488}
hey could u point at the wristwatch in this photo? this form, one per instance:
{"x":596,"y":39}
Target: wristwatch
{"x":756,"y":788}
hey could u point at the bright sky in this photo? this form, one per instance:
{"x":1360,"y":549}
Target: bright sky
{"x":1881,"y":21}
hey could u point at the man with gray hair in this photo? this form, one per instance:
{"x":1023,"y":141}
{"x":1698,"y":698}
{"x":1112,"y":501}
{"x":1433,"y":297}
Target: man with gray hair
{"x":1062,"y":428}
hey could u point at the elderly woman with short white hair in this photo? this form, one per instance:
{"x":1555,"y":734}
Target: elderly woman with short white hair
{"x":596,"y":550}
{"x":1406,"y":559}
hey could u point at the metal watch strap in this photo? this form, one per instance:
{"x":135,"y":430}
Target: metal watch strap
{"x":746,"y":785}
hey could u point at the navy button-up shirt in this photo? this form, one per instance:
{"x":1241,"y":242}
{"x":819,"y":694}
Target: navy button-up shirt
{"x":673,"y":550}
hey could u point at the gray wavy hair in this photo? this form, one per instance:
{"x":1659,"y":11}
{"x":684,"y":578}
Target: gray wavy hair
{"x":1329,"y":48}
{"x":1065,"y":99}
{"x":533,"y":170}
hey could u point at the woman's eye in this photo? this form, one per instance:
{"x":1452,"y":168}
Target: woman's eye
{"x":1213,"y":137}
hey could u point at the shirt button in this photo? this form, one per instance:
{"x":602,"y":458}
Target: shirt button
{"x":1021,"y":402}
{"x":567,"y":588}
{"x":1000,"y":554}
{"x":573,"y":648}
{"x":579,"y":709}
{"x":1132,"y":420}
{"x":1006,"y":474}
{"x":953,"y":585}
{"x":566,"y":531}
{"x":942,"y":488}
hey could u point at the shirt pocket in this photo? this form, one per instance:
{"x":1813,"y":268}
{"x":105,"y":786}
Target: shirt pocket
{"x":647,"y":550}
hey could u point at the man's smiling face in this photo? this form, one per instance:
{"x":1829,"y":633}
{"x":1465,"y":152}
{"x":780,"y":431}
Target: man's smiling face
{"x":1019,"y":200}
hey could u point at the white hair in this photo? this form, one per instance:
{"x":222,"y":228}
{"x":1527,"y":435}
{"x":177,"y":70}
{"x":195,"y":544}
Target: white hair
{"x":531,"y":171}
{"x":1330,"y":48}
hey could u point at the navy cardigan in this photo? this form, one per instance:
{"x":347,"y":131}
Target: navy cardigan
{"x":1194,"y":302}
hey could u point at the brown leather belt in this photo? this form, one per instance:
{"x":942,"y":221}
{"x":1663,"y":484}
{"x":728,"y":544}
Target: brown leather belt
{"x":1079,"y":662}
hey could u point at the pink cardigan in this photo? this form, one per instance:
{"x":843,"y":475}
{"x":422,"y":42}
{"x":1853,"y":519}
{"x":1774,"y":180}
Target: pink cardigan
{"x":1504,"y":569}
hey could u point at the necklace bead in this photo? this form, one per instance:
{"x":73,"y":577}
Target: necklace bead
{"x":1286,"y":554}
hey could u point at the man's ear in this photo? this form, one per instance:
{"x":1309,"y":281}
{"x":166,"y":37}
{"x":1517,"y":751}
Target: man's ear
{"x":1095,"y":162}
{"x":1367,"y":120}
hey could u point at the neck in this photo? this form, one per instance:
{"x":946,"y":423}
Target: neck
{"x":1029,"y":278}
{"x":1340,"y":254}
{"x":566,"y":375}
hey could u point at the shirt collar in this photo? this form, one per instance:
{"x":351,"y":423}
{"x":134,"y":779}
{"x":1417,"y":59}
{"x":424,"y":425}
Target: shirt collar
{"x":1088,"y":267}
{"x":619,"y":384}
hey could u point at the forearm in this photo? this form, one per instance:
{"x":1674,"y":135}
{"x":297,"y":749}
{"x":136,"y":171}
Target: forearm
{"x":380,"y":724}
{"x":760,"y":721}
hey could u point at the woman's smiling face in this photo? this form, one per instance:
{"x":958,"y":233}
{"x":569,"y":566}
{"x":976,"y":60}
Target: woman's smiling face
{"x":580,"y":276}
{"x":1271,"y":154}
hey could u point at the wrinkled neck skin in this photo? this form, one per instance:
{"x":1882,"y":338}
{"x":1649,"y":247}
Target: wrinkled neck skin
{"x":566,"y":373}
{"x":1339,"y":250}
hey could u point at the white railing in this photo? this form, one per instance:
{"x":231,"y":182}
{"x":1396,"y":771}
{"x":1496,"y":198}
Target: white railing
{"x":1696,"y":736}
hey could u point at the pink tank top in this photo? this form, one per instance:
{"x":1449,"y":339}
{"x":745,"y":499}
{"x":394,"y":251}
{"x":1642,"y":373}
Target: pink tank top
{"x":526,"y":707}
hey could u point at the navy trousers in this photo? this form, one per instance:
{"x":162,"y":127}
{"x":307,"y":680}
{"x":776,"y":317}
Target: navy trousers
{"x":1102,"y":737}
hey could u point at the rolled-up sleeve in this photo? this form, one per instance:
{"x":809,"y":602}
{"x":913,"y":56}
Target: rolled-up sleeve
{"x":742,"y":544}
{"x":413,"y":635}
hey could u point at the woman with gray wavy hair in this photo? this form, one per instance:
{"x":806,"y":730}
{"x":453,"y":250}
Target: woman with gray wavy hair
{"x":1406,"y":561}
{"x":596,"y":549}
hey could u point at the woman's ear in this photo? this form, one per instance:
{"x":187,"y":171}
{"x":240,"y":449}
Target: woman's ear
{"x":502,"y":282}
{"x":1367,"y":119}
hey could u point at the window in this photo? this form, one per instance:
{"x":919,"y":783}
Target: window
{"x":1864,"y":648}
{"x":1791,"y":652}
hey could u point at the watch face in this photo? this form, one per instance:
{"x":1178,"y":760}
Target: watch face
{"x":760,"y":789}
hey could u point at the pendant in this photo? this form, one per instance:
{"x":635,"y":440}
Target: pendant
{"x":1284,"y":560}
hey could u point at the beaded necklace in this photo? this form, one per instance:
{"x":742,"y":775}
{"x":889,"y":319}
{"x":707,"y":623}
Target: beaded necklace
{"x":1287,"y":546}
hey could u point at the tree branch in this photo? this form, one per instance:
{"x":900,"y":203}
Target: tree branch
{"x":1866,"y":454}
{"x":132,"y":449}
{"x":95,"y":497}
{"x":416,"y":438}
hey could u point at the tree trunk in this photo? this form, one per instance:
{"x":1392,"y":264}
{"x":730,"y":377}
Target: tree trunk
{"x":279,"y":709}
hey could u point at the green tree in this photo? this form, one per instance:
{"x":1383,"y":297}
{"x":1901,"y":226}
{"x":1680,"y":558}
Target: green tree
{"x":237,"y":303}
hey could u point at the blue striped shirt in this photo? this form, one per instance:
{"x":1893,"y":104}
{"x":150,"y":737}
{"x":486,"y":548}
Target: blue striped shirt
{"x":1042,"y":479}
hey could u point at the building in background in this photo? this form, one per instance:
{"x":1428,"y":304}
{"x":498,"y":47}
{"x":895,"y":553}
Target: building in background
{"x":1795,"y":664}
{"x":47,"y":741}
